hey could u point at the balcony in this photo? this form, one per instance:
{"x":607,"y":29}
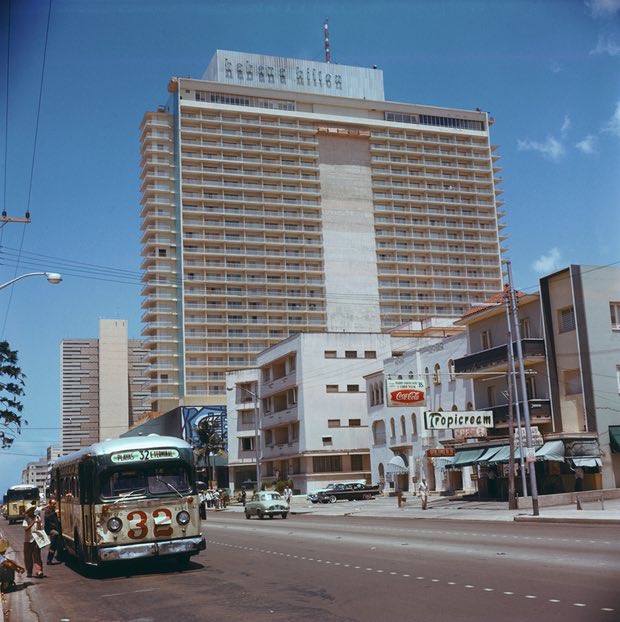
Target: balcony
{"x":496,"y":359}
{"x":540,"y":413}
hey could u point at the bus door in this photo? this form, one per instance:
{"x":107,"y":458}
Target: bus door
{"x":86,"y":474}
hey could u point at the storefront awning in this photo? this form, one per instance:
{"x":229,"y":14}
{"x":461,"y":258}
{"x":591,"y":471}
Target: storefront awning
{"x":488,"y":454}
{"x":396,"y":465}
{"x":587,"y":462}
{"x":553,"y":450}
{"x":467,"y":457}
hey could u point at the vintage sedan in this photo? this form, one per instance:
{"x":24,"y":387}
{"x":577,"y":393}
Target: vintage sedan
{"x":348,"y":492}
{"x":266,"y":503}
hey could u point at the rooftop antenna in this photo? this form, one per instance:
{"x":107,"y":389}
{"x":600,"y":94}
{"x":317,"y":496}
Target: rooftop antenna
{"x":326,"y":27}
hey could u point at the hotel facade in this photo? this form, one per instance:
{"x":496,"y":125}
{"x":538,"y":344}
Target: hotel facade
{"x":282,"y":196}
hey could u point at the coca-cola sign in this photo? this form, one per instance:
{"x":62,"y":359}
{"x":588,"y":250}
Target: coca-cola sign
{"x":405,"y":392}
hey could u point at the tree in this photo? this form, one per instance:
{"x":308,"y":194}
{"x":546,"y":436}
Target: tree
{"x":208,"y":442}
{"x":11,"y":390}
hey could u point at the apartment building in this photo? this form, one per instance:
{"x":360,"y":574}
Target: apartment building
{"x":309,"y":395}
{"x":581,"y":318}
{"x":102,"y":386}
{"x":402,"y":450}
{"x":282,"y":196}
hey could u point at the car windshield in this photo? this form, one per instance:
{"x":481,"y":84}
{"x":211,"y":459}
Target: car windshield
{"x":170,"y":480}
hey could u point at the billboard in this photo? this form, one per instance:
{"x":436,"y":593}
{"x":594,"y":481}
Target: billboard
{"x":405,"y":392}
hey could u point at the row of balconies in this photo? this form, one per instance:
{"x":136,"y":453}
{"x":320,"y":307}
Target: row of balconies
{"x":252,"y":225}
{"x":416,"y":234}
{"x":286,"y":164}
{"x":258,"y":121}
{"x":412,"y":259}
{"x":296,"y":216}
{"x":296,"y":320}
{"x":266,"y":240}
{"x":414,"y":245}
{"x":237,"y":251}
{"x":256,"y":136}
{"x":397,"y":209}
{"x":426,"y":138}
{"x":191,"y":184}
{"x":263,"y":267}
{"x":199,"y":147}
{"x":391,"y":147}
{"x":407,"y":173}
{"x":458,"y":189}
{"x":413,"y":198}
{"x":245,"y":198}
{"x":434,"y":163}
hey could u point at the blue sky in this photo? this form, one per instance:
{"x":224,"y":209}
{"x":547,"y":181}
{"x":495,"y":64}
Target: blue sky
{"x":547,"y":71}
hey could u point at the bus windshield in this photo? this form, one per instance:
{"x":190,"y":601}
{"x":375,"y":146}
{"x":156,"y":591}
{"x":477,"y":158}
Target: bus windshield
{"x":152,"y":481}
{"x":22,"y":494}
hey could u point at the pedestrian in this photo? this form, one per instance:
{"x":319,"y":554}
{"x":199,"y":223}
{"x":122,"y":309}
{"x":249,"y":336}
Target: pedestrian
{"x":243,"y":496}
{"x":288,"y":494}
{"x":423,"y":493}
{"x":224,"y":499}
{"x":32,"y":552}
{"x":52,"y":529}
{"x":578,"y":479}
{"x":209,"y":498}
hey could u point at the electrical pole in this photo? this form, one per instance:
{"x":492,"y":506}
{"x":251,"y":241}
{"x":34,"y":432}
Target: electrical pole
{"x":530,"y":453}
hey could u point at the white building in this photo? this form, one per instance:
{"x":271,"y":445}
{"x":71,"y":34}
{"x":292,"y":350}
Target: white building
{"x":102,"y":386}
{"x":314,"y":418}
{"x":400,"y":442}
{"x":283,"y":196}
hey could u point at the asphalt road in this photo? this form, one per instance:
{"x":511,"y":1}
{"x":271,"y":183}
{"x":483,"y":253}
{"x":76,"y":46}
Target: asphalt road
{"x":336,"y":569}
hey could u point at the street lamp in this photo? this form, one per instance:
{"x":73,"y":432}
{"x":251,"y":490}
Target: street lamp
{"x":256,"y":438}
{"x":52,"y":277}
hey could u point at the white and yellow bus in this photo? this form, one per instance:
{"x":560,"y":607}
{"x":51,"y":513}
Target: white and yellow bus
{"x":129,"y":498}
{"x":17,"y":499}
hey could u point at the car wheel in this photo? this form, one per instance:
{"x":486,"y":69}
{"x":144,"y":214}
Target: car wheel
{"x":332,"y":499}
{"x":271,"y":516}
{"x":260,"y":514}
{"x":284,"y":514}
{"x":247,"y":515}
{"x":367,"y":497}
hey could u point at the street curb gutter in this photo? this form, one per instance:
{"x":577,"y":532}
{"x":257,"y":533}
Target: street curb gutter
{"x":560,"y":519}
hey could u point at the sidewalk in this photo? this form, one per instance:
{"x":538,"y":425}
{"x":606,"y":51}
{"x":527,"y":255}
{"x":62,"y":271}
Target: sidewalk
{"x":451,"y":508}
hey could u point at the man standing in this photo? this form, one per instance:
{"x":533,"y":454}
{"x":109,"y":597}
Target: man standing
{"x":423,"y":493}
{"x":52,"y":529}
{"x":32,"y":552}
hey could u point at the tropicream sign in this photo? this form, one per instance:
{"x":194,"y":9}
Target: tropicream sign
{"x":407,"y":392}
{"x":453,"y":420}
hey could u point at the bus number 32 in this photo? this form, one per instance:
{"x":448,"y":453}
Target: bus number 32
{"x":139,"y":528}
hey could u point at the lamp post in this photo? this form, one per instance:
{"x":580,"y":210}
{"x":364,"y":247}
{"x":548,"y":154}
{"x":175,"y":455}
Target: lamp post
{"x":52,"y":277}
{"x":256,"y":437}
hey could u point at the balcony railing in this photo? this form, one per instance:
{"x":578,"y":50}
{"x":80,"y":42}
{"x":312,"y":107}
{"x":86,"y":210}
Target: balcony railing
{"x":540,"y":413}
{"x":533,"y":349}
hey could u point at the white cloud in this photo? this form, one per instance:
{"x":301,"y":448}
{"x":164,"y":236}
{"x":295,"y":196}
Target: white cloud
{"x":587,"y":145}
{"x":565,"y":126}
{"x":548,"y":263}
{"x":603,"y":8}
{"x":551,"y":148}
{"x":613,"y":125}
{"x":605,"y":45}
{"x":556,"y":67}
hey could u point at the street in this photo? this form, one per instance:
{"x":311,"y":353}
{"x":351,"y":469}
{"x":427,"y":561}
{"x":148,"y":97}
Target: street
{"x":351,"y":568}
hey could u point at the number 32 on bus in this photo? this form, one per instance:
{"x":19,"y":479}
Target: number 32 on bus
{"x":129,"y":498}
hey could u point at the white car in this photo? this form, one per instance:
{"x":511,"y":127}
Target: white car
{"x":266,"y":503}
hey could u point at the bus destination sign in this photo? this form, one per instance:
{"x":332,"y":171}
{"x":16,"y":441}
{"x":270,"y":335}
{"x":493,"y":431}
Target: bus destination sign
{"x":141,"y":455}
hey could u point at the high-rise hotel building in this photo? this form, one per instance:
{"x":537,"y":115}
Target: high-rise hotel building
{"x":283,"y":196}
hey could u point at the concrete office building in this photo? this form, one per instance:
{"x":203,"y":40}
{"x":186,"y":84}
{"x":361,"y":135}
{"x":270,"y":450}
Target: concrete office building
{"x":283,"y":196}
{"x":102,"y":386}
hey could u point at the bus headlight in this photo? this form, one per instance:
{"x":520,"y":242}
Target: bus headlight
{"x":183,"y":518}
{"x":115,"y":524}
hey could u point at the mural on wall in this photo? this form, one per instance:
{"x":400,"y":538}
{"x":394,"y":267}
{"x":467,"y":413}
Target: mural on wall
{"x":192,"y":415}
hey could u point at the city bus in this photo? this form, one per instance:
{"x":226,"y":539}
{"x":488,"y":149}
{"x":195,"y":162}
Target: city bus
{"x":129,"y":498}
{"x":17,"y":499}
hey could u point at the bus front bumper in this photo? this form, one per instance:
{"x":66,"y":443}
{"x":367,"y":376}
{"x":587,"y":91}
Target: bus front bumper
{"x":186,"y":546}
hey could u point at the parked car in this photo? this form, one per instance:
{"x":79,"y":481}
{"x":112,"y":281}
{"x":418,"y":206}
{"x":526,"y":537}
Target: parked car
{"x":348,"y":492}
{"x":266,"y":503}
{"x":313,"y":495}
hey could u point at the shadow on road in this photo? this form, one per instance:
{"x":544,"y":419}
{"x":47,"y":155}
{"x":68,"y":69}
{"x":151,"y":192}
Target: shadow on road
{"x":133,"y":568}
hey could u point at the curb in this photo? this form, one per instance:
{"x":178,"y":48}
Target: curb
{"x":567,"y":520}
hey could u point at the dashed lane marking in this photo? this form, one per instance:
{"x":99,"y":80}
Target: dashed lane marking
{"x":379,"y":571}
